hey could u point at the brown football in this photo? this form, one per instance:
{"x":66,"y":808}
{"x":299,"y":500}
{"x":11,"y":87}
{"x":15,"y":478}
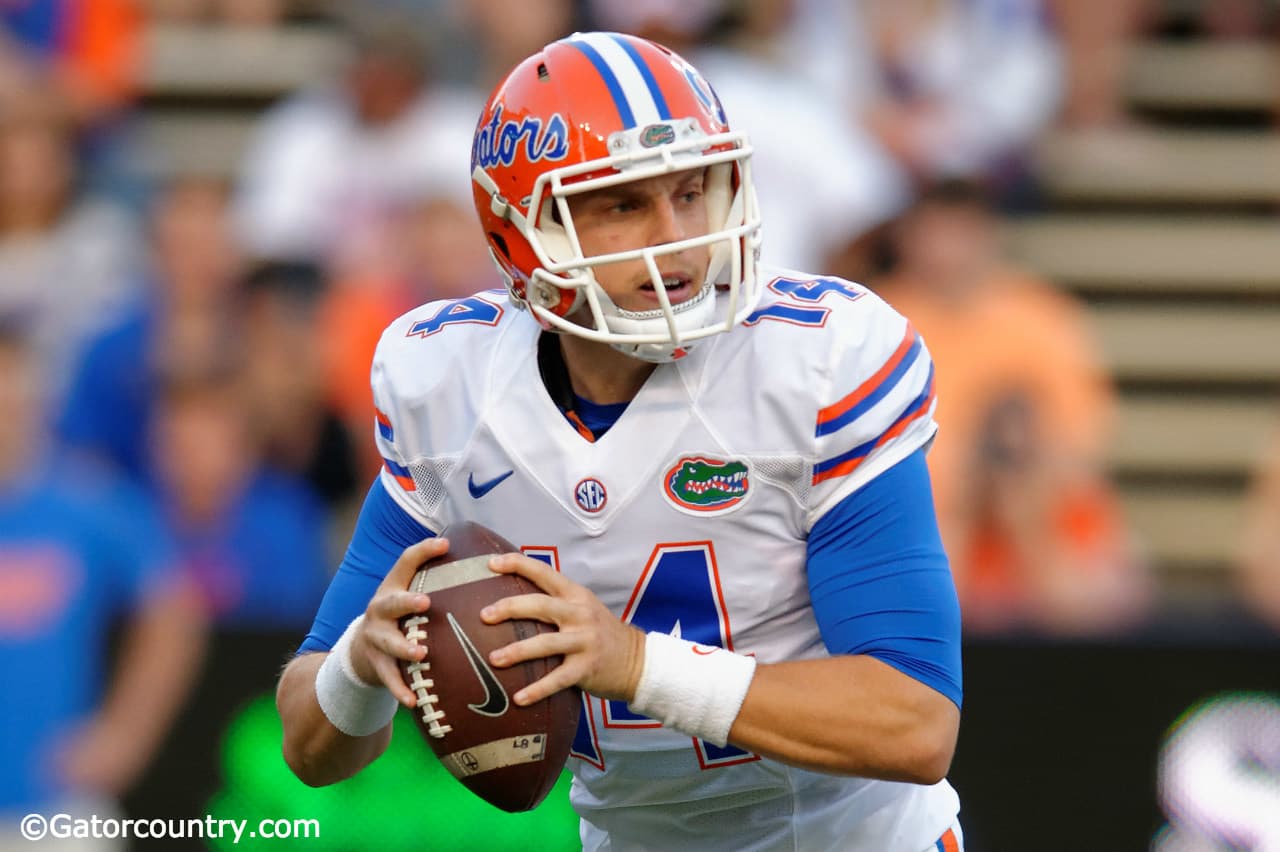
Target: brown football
{"x":510,"y":756}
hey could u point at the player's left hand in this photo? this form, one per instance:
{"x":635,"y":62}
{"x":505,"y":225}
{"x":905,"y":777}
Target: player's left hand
{"x":602,"y":655}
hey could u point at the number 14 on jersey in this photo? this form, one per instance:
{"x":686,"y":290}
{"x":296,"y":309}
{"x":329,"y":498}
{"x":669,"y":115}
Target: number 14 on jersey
{"x":679,"y":593}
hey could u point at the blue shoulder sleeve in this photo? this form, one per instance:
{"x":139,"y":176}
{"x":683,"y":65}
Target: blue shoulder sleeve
{"x":382,"y":532}
{"x":880,"y":581}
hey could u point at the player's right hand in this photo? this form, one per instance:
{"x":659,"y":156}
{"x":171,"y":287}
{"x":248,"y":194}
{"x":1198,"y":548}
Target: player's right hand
{"x":380,"y":644}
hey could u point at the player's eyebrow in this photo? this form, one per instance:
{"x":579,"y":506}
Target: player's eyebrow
{"x":692,"y":177}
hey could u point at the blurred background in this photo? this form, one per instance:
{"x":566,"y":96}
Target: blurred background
{"x":209,"y":209}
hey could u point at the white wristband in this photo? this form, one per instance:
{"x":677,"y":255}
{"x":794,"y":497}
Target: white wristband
{"x":692,"y":688}
{"x":354,"y":707}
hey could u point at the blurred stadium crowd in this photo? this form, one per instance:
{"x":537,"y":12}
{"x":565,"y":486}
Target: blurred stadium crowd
{"x":186,"y":324}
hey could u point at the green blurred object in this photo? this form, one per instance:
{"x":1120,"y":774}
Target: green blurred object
{"x":403,"y":800}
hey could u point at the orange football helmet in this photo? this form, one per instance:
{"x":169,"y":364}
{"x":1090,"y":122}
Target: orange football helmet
{"x":591,"y":111}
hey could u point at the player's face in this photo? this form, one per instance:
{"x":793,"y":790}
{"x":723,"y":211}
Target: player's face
{"x":662,"y":209}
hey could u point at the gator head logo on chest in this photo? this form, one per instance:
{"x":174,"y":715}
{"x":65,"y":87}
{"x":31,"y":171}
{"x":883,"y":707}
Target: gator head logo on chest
{"x":704,"y":485}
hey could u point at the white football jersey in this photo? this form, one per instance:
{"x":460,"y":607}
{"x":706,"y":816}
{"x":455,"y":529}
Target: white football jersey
{"x":690,"y":516}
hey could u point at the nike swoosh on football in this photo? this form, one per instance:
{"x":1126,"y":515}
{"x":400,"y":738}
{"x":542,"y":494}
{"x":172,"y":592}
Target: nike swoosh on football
{"x":495,"y":697}
{"x":479,"y":489}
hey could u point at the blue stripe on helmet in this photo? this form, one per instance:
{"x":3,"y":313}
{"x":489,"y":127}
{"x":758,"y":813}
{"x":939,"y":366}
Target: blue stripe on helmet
{"x":664,"y":112}
{"x":615,"y":88}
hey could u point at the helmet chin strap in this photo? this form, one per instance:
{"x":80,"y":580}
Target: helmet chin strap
{"x":653,"y":353}
{"x":690,"y":315}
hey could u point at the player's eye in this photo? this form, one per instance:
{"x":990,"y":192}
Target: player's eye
{"x":613,"y":205}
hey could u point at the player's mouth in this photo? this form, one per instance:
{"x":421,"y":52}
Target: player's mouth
{"x":679,"y":287}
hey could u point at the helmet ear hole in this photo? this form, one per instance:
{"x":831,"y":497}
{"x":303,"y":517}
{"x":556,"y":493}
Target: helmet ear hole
{"x":501,"y":243}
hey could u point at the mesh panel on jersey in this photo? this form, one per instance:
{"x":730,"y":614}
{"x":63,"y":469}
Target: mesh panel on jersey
{"x":787,"y":472}
{"x":429,"y":475}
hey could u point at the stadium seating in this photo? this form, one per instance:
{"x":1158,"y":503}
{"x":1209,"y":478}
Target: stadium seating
{"x":1168,"y":230}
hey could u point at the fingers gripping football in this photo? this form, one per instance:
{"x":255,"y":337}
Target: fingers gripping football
{"x":381,"y":643}
{"x":602,"y":655}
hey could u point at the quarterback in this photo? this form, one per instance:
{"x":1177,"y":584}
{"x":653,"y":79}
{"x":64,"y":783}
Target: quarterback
{"x":715,"y":471}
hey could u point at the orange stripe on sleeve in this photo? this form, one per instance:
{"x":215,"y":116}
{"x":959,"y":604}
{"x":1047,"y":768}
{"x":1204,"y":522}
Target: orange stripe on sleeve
{"x":892,"y":432}
{"x":831,"y":412}
{"x":406,"y":482}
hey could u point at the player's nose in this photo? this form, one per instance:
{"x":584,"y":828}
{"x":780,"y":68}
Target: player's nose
{"x":665,"y":223}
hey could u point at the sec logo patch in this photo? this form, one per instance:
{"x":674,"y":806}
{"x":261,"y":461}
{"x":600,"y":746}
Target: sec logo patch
{"x":590,"y":495}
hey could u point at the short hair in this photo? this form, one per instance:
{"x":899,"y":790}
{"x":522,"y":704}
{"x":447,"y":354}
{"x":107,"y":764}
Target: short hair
{"x":302,"y":280}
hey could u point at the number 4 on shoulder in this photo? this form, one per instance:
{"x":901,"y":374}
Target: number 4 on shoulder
{"x":475,"y":311}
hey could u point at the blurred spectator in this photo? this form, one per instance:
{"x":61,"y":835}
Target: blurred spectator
{"x":78,"y":553}
{"x":253,"y":538}
{"x":326,"y":167}
{"x":186,"y":323}
{"x":950,"y":88}
{"x":821,"y":181}
{"x":505,"y":33}
{"x":434,"y":256}
{"x":1097,"y":36}
{"x":296,"y":429}
{"x":68,"y":262}
{"x":90,"y":49}
{"x":89,"y":53}
{"x":1033,"y":529}
{"x":1258,"y":578}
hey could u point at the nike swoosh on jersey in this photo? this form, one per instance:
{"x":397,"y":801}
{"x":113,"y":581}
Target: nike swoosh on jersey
{"x":479,"y":489}
{"x":495,"y":697}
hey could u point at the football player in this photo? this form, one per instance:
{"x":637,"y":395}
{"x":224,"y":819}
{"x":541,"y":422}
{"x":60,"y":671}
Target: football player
{"x":715,"y":471}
